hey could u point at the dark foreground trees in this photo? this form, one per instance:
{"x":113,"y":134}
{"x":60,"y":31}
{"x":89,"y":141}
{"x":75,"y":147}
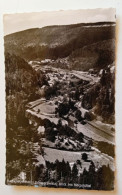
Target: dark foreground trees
{"x":101,"y":178}
{"x":21,"y":86}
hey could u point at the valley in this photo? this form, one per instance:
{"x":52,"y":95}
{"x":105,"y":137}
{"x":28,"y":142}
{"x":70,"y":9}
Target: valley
{"x":60,"y":106}
{"x":45,"y":109}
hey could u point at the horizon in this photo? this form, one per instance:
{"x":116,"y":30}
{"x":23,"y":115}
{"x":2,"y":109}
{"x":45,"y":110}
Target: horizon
{"x":57,"y":26}
{"x":24,"y":21}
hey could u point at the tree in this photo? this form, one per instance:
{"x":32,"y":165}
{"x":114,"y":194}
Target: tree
{"x":92,"y":175}
{"x":103,"y":79}
{"x":63,"y":109}
{"x":58,"y":170}
{"x":46,"y":176}
{"x":79,"y":136}
{"x":78,"y":115}
{"x":85,"y":176}
{"x":74,"y":173}
{"x":84,"y":156}
{"x":89,"y":116}
{"x":50,"y":134}
{"x":63,"y":167}
{"x":71,"y":104}
{"x":38,"y":172}
{"x":68,"y":169}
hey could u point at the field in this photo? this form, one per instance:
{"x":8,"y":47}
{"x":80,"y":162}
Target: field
{"x":96,"y":156}
{"x":47,"y":107}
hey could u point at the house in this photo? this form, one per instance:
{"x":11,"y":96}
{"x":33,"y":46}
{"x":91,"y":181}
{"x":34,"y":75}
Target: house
{"x":41,"y":130}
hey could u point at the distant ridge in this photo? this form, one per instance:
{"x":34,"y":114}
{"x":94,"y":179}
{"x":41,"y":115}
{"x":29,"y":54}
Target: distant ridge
{"x":61,"y":41}
{"x":70,"y":25}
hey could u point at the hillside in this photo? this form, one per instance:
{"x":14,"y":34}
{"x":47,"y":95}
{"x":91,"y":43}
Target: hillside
{"x":57,"y":41}
{"x":97,"y":55}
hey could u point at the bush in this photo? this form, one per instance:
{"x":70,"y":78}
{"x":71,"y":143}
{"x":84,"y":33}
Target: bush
{"x":89,"y":116}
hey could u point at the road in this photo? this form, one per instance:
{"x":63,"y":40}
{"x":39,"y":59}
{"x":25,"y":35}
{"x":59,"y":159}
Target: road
{"x":88,"y":130}
{"x":93,"y":132}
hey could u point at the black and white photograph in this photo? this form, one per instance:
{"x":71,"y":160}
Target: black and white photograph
{"x":60,"y":98}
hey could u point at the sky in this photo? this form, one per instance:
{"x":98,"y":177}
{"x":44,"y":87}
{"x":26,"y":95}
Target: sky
{"x":22,"y":21}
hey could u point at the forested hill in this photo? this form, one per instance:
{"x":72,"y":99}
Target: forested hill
{"x":57,"y":41}
{"x":20,"y":76}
